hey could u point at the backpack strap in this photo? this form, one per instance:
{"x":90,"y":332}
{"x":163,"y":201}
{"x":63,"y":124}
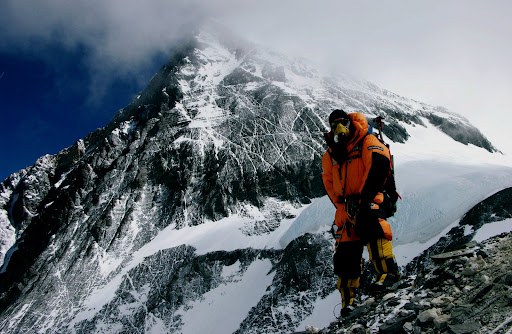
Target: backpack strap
{"x":357,"y":148}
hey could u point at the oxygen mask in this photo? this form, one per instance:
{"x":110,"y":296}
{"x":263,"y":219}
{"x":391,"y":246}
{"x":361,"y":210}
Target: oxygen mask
{"x":340,"y":129}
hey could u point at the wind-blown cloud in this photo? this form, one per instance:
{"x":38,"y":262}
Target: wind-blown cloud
{"x":122,"y":35}
{"x":116,"y":37}
{"x":438,"y":52}
{"x":122,"y":30}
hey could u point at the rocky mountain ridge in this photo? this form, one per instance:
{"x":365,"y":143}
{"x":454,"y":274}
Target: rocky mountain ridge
{"x":461,"y":292}
{"x":457,"y":286}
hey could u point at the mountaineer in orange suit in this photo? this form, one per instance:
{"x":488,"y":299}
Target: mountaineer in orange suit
{"x":354,"y":171}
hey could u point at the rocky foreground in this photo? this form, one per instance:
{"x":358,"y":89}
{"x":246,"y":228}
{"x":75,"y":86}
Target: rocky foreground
{"x":467,"y":290}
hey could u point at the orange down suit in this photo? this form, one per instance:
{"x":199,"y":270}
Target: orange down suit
{"x":359,"y":176}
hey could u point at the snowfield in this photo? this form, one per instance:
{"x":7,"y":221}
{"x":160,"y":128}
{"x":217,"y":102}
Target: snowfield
{"x":224,"y":308}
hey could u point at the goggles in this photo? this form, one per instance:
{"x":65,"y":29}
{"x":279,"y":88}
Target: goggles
{"x":343,"y":121}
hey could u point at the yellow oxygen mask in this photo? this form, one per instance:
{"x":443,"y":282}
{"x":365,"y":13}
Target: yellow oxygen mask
{"x":341,"y":130}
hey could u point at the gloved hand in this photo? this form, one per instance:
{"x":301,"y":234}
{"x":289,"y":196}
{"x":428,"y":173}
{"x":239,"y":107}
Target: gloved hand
{"x":334,"y":230}
{"x":367,"y":227}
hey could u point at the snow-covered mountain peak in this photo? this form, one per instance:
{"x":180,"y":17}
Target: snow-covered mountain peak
{"x":209,"y":180}
{"x":242,"y":66}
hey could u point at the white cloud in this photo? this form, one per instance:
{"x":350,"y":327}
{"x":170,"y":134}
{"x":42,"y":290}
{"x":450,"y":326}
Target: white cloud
{"x":456,"y":53}
{"x":119,"y":38}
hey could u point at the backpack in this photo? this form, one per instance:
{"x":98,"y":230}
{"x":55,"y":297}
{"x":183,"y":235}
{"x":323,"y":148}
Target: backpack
{"x":391,"y":196}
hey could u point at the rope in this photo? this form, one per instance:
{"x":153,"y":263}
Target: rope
{"x":336,"y":314}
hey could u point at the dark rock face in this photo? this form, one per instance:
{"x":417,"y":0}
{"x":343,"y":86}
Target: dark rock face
{"x":495,"y":208}
{"x":219,"y":127}
{"x":466,"y":135}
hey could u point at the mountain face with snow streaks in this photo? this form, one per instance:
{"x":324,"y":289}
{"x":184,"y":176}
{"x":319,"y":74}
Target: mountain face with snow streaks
{"x":182,"y":200}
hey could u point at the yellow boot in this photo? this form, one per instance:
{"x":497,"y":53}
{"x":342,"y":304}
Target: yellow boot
{"x":381,"y":254}
{"x":348,"y":292}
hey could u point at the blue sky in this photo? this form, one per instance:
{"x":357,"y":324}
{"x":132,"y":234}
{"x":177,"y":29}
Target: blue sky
{"x":47,"y":104}
{"x":66,"y":67}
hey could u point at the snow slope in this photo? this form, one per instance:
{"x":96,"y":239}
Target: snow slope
{"x":223,"y":309}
